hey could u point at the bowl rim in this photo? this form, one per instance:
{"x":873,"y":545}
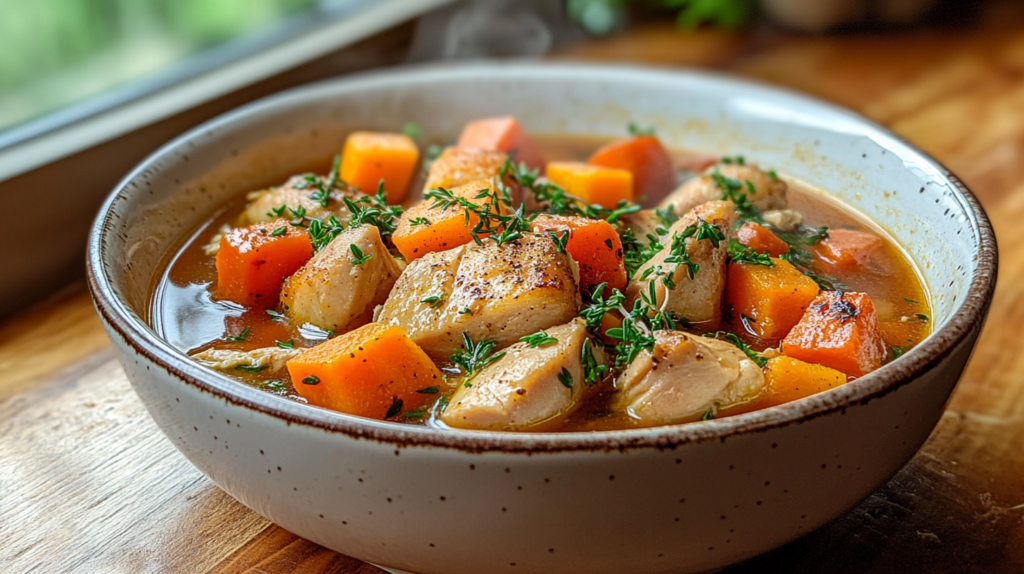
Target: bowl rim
{"x":966,"y":318}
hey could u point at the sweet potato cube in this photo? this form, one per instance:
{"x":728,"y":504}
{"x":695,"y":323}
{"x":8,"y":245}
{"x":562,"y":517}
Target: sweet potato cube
{"x":645,"y":158}
{"x":760,"y":239}
{"x":787,"y":379}
{"x":502,"y":134}
{"x":424,"y":228}
{"x":373,"y":371}
{"x":370,"y":157}
{"x":848,"y":250}
{"x":253,"y":261}
{"x":595,"y":246}
{"x":603,"y":186}
{"x":772,"y":298}
{"x":841,"y":331}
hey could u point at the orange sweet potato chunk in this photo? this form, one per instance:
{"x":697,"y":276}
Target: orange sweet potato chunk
{"x":848,"y":250}
{"x":371,"y":371}
{"x":773,"y":298}
{"x":502,"y":134}
{"x":253,"y":261}
{"x":370,"y":157}
{"x":787,"y":379}
{"x":645,"y":158}
{"x":841,"y":331}
{"x":760,"y":239}
{"x":593,"y":244}
{"x":424,"y":228}
{"x":603,"y":186}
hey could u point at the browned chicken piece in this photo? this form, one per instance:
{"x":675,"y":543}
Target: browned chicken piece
{"x":295,"y":193}
{"x":528,"y":386}
{"x":685,"y":377}
{"x":270,"y":358}
{"x":768,"y":192}
{"x":461,"y":165}
{"x":487,"y":291}
{"x":696,"y":299}
{"x":336,"y":292}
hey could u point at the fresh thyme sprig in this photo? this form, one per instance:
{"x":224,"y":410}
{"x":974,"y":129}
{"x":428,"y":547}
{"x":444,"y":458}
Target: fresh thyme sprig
{"x":321,"y":234}
{"x":538,"y":339}
{"x":735,"y":340}
{"x":742,"y":254}
{"x":473,"y":357}
{"x":357,"y":255}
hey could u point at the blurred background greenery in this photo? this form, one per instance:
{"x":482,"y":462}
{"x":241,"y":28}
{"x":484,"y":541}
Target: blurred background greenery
{"x":55,"y":52}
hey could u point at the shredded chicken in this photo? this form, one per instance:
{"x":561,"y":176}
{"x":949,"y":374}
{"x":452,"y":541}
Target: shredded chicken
{"x":270,"y":358}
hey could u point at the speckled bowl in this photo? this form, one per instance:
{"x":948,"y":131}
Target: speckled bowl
{"x":671,"y":499}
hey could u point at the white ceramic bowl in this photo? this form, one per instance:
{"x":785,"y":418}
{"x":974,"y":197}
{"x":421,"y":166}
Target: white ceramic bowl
{"x":669,"y":499}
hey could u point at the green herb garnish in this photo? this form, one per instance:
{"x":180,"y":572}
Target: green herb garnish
{"x":560,"y":240}
{"x":285,"y":344}
{"x":428,"y":391}
{"x":394,"y":409}
{"x":538,"y":339}
{"x":311,"y":380}
{"x":742,"y":254}
{"x":433,"y":300}
{"x":358,"y":257}
{"x":565,"y":377}
{"x":241,"y":337}
{"x":473,"y":357}
{"x":250,"y":368}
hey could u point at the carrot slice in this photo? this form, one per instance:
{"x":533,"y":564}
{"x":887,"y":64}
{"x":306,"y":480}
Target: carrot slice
{"x":373,"y":371}
{"x":773,"y":299}
{"x":595,"y":246}
{"x":760,"y":239}
{"x":841,"y":331}
{"x":645,"y":158}
{"x":371,"y":157}
{"x":787,"y":379}
{"x":502,"y":134}
{"x":424,"y":228}
{"x":848,"y":250}
{"x":253,"y":261}
{"x":603,"y":186}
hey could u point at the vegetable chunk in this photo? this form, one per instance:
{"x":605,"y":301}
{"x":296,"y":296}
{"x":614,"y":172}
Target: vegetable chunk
{"x":847,"y":250}
{"x":338,"y":289}
{"x":786,"y":379}
{"x":426,"y":227}
{"x":489,"y":291}
{"x":253,"y":261}
{"x":841,"y":331}
{"x":461,"y":165}
{"x":685,"y":377}
{"x":374,"y":371}
{"x":371,"y":157}
{"x":593,"y":244}
{"x":772,"y":298}
{"x":527,"y":387}
{"x":760,"y":239}
{"x":645,"y":158}
{"x":603,"y":186}
{"x":502,"y":134}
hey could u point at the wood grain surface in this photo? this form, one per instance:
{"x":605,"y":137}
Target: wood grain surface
{"x":88,"y":483}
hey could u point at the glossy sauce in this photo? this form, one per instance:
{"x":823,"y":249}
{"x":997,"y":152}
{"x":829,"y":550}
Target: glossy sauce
{"x":184,"y":311}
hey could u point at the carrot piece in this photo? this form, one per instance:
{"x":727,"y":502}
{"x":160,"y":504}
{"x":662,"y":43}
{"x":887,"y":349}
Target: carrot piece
{"x":603,"y":186}
{"x":424,"y":228}
{"x":372,"y":371}
{"x":370,"y":157}
{"x":595,"y":246}
{"x":841,"y":331}
{"x":787,"y":379}
{"x":772,"y":298}
{"x":645,"y":158}
{"x":758,"y":238}
{"x":502,"y":134}
{"x":847,"y":250}
{"x":253,"y":261}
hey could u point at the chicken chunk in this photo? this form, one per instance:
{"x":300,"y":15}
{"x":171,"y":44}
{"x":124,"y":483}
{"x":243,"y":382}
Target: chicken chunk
{"x":487,"y":291}
{"x":783,"y":219}
{"x":295,"y":193}
{"x":685,"y":377}
{"x":270,"y":358}
{"x":768,"y":192}
{"x":461,"y":165}
{"x":336,"y":290}
{"x":526,"y":387}
{"x":696,"y":299}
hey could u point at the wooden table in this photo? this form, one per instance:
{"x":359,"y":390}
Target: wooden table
{"x":88,"y":483}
